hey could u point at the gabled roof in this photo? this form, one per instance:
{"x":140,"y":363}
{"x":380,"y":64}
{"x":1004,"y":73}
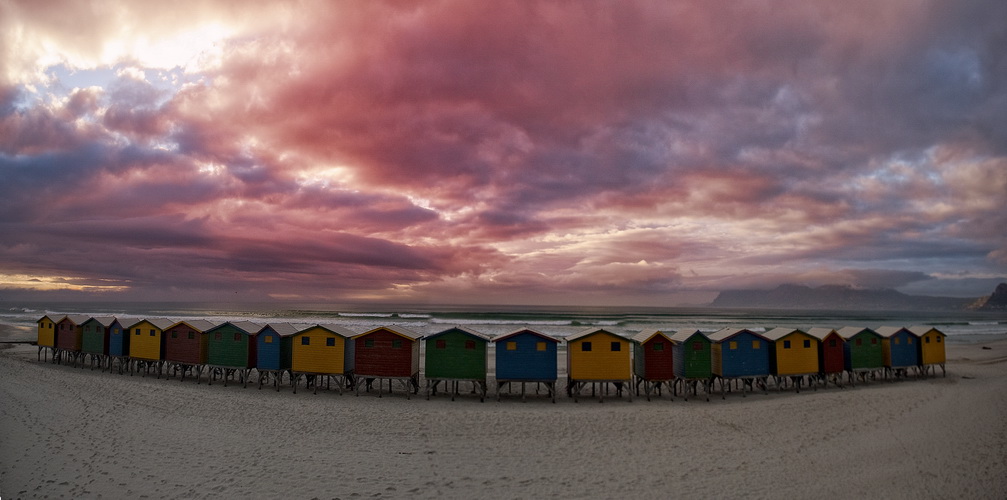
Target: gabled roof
{"x":778,"y":333}
{"x":685,"y":335}
{"x":529,"y":331}
{"x":246,"y":327}
{"x":644,"y":336}
{"x":77,"y":319}
{"x":336,"y":329}
{"x":284,"y":329}
{"x":200,"y":325}
{"x":462,"y":329}
{"x":848,"y":332}
{"x":821,"y":333}
{"x":890,"y":331}
{"x":593,"y":331}
{"x":54,"y":318}
{"x":921,"y":330}
{"x":105,"y":321}
{"x":726,"y":333}
{"x":397,"y":330}
{"x":160,"y":323}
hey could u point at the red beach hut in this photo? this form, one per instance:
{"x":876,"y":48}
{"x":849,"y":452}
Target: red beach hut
{"x":831,"y":358}
{"x":389,"y":353}
{"x":653,"y":361}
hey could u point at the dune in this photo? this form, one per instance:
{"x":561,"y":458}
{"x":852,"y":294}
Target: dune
{"x":73,"y":432}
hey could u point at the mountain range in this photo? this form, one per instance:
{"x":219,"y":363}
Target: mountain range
{"x":842,"y":297}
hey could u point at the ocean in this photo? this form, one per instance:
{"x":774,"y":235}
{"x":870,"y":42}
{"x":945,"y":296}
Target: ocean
{"x":960,"y":326}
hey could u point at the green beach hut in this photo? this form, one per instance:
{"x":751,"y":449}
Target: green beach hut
{"x":231,"y":350}
{"x":456,"y":355}
{"x":692,"y":358}
{"x":863,"y":354}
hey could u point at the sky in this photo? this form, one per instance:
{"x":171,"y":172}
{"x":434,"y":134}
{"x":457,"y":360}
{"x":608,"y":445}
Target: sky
{"x":545,"y":153}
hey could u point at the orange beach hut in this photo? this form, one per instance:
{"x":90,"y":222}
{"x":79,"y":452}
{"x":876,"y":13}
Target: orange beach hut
{"x":597,"y":356}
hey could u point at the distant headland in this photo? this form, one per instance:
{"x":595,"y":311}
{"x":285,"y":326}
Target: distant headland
{"x":844,"y":297}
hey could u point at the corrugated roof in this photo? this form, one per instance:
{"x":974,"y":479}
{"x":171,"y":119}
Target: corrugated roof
{"x":889,"y":331}
{"x":336,"y":329}
{"x":53,"y":318}
{"x":161,"y":323}
{"x":778,"y":333}
{"x":397,"y":330}
{"x":646,"y":335}
{"x":78,"y":319}
{"x":467,"y":331}
{"x":591,"y":331}
{"x":200,"y":325}
{"x":820,"y":332}
{"x":725,"y":333}
{"x":526,"y":330}
{"x":848,"y":332}
{"x":247,"y":327}
{"x":921,"y":330}
{"x":284,"y":329}
{"x":685,"y":335}
{"x":105,"y":321}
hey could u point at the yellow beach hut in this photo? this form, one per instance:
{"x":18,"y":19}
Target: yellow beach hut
{"x":794,"y":355}
{"x":146,"y":344}
{"x":322,"y":351}
{"x":47,"y":334}
{"x":931,"y":348}
{"x":598,"y":357}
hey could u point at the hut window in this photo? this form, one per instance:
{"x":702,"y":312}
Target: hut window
{"x":859,"y":341}
{"x":697,"y":346}
{"x":540,"y":346}
{"x":470,"y":345}
{"x":938,"y":340}
{"x":330,"y":342}
{"x":909,"y":340}
{"x":616,"y":346}
{"x":928,"y":339}
{"x":216,"y":336}
{"x":369,"y":343}
{"x":896,"y":341}
{"x":305,"y":340}
{"x":115,"y":331}
{"x":585,"y":346}
{"x":786,"y":344}
{"x":874,"y":341}
{"x":174,"y":334}
{"x":137,"y":331}
{"x":658,"y":346}
{"x":152,"y":332}
{"x":732,"y":345}
{"x":511,"y":346}
{"x":807,"y":344}
{"x":441,"y":344}
{"x":397,"y":344}
{"x":756,"y":344}
{"x":192,"y":335}
{"x":268,"y":339}
{"x":237,"y":337}
{"x":832,"y":342}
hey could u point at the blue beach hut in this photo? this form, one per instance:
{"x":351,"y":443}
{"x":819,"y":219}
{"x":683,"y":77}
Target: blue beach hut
{"x":740,"y":355}
{"x":899,"y":348}
{"x":273,"y":352}
{"x":524,"y":356}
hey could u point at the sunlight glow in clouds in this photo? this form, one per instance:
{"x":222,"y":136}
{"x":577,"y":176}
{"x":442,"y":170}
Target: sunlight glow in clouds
{"x":590,"y":153}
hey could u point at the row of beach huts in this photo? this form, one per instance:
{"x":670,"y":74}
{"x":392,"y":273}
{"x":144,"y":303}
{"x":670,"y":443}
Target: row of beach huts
{"x":598,"y":360}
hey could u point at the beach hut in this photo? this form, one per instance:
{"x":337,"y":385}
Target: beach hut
{"x":230,"y":350}
{"x":95,"y":339}
{"x":899,"y":347}
{"x":931,"y":348}
{"x":118,"y":346}
{"x":146,"y":345}
{"x":526,"y":356}
{"x":389,"y":353}
{"x":739,"y":355}
{"x":69,"y":337}
{"x":793,"y":354}
{"x":598,"y":357}
{"x":322,"y":352}
{"x":653,"y":362}
{"x":692,"y":362}
{"x":831,"y":357}
{"x":456,"y":355}
{"x":273,"y":351}
{"x":863,"y":355}
{"x":47,"y":335}
{"x":185,"y":347}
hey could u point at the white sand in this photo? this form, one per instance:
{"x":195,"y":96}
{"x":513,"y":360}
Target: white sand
{"x":75,"y":433}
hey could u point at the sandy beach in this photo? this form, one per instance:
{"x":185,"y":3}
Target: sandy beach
{"x":75,"y":433}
